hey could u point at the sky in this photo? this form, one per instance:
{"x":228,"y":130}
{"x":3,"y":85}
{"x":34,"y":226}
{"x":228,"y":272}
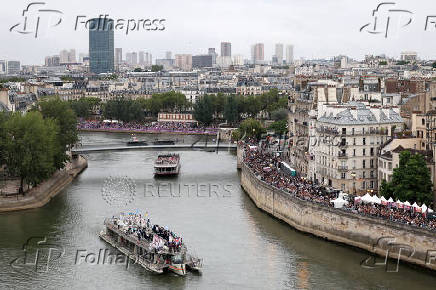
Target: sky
{"x":316,"y":28}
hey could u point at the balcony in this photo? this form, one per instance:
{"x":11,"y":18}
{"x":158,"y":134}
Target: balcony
{"x":343,"y":168}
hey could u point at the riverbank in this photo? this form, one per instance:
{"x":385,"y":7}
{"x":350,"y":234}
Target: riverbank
{"x":43,"y":193}
{"x":377,"y":236}
{"x":130,"y":131}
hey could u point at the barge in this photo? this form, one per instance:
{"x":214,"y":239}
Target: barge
{"x":155,"y":248}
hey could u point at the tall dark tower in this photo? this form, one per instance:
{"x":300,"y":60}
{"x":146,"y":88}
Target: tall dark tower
{"x":101,"y":45}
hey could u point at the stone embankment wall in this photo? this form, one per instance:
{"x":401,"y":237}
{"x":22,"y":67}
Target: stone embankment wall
{"x":43,"y":193}
{"x":375,"y":235}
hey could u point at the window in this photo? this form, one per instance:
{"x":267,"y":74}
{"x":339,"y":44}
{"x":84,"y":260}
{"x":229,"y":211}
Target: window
{"x":354,"y":141}
{"x":364,"y":141}
{"x":371,"y":163}
{"x":371,"y":184}
{"x":354,"y":152}
{"x":390,"y":165}
{"x":363,"y":174}
{"x":372,"y":152}
{"x":371,"y":174}
{"x":363,"y":163}
{"x":423,"y":121}
{"x":363,"y":152}
{"x":343,"y":175}
{"x":363,"y":185}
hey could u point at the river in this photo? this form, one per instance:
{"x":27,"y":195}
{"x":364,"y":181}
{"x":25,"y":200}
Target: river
{"x":242,"y":247}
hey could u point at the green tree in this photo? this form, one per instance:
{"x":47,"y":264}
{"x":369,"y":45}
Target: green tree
{"x":279,"y":127}
{"x":203,"y":110}
{"x":62,"y":113}
{"x":411,"y":181}
{"x":231,"y":113}
{"x":434,"y":64}
{"x":251,"y":128}
{"x":32,"y":147}
{"x":156,"y":68}
{"x":279,"y":114}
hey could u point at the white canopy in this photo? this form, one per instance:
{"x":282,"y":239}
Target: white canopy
{"x":339,"y":202}
{"x":367,"y":198}
{"x":430,"y":210}
{"x":424,"y":207}
{"x":399,"y":201}
{"x":375,"y":199}
{"x":390,"y":199}
{"x":406,"y":203}
{"x":415,"y":205}
{"x":383,"y":199}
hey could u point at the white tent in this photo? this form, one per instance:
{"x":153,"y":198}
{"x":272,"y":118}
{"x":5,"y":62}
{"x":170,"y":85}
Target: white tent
{"x":430,"y":210}
{"x":375,"y":199}
{"x":383,"y":199}
{"x":415,"y":205}
{"x":367,"y":198}
{"x":424,"y":207}
{"x":406,"y":203}
{"x":390,"y":199}
{"x":339,"y":202}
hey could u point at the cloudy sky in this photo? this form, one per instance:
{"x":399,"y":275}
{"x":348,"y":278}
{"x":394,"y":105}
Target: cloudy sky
{"x":316,"y":28}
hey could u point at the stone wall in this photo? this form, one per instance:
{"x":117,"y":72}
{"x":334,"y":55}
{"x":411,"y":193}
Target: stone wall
{"x":43,"y":193}
{"x":377,"y":236}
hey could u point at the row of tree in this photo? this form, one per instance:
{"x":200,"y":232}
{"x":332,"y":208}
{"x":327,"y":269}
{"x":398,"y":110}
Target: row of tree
{"x":34,"y":145}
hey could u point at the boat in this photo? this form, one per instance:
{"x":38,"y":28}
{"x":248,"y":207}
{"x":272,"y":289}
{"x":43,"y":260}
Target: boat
{"x":167,"y":164}
{"x":164,"y":142}
{"x":135,"y":141}
{"x":155,"y":248}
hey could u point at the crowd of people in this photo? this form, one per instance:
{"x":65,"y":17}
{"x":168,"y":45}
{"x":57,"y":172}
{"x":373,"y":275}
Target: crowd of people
{"x":167,"y":159}
{"x":157,"y":237}
{"x":266,"y":167}
{"x":147,"y":127}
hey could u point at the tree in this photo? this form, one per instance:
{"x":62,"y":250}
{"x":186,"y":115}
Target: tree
{"x":231,"y":113}
{"x":156,"y":68}
{"x":137,"y":69}
{"x":279,"y":114}
{"x":203,"y":110}
{"x":251,"y":128}
{"x":31,"y":147}
{"x":279,"y":127}
{"x":411,"y":181}
{"x":434,"y":64}
{"x":3,"y":118}
{"x":62,"y":113}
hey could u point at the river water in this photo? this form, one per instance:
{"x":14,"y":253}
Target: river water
{"x":242,"y":247}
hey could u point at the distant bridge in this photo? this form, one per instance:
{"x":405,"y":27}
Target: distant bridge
{"x":177,"y":147}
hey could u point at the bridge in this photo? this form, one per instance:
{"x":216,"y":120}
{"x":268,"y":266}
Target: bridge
{"x":176,"y":147}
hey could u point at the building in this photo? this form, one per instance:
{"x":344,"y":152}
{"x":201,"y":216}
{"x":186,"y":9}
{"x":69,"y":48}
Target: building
{"x":345,"y":142}
{"x":289,"y":54}
{"x":410,"y":56}
{"x":176,"y":117}
{"x":3,"y":65}
{"x":257,"y":53}
{"x":52,"y":60}
{"x":118,"y":56}
{"x":212,"y":52}
{"x":200,"y":61}
{"x":184,"y":61}
{"x":168,"y":55}
{"x":166,"y":63}
{"x":141,"y":60}
{"x":279,"y":53}
{"x":226,"y":49}
{"x":13,"y":67}
{"x":101,"y":45}
{"x":238,"y":60}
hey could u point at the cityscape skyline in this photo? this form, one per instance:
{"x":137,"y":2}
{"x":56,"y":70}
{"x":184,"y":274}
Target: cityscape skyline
{"x":306,"y":34}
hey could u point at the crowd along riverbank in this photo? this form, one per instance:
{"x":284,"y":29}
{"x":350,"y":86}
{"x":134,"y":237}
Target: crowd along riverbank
{"x":378,"y":236}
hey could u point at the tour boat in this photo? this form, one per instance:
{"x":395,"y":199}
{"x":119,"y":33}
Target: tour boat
{"x":135,"y":141}
{"x":154,"y":248}
{"x":167,"y":164}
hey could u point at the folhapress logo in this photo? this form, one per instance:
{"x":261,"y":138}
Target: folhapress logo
{"x":36,"y":16}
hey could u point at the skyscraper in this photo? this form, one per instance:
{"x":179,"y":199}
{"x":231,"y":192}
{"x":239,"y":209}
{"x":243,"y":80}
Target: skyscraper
{"x":142,"y":61}
{"x":101,"y":45}
{"x":184,"y":61}
{"x":134,"y":58}
{"x":212,"y":52}
{"x":289,"y":54}
{"x":257,"y":53}
{"x":226,"y":49}
{"x":168,"y":55}
{"x":63,"y":56}
{"x":118,"y":56}
{"x":279,"y":53}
